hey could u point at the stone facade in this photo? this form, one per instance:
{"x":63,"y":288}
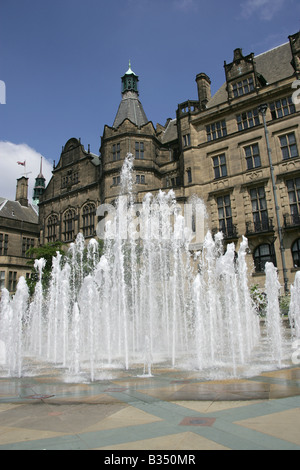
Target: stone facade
{"x":218,"y":147}
{"x":19,"y":231}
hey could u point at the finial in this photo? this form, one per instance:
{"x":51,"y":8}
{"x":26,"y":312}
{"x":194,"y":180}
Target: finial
{"x":130,"y":71}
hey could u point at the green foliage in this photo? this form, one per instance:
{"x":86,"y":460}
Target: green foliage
{"x":47,"y":252}
{"x":259,"y":299}
{"x":284,"y":303}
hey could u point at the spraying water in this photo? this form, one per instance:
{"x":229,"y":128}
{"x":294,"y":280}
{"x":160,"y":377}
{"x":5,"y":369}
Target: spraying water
{"x":273,"y":317}
{"x":146,"y":301}
{"x":294,"y":311}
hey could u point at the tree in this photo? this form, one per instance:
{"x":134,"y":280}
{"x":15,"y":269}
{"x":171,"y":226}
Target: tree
{"x":47,"y":252}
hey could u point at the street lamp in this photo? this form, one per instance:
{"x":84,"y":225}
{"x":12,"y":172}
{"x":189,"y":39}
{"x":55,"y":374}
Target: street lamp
{"x":262,"y":109}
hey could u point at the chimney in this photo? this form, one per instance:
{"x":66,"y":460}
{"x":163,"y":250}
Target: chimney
{"x":204,"y":92}
{"x":22,"y":191}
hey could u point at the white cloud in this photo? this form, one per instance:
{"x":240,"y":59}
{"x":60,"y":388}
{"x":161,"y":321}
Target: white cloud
{"x":264,"y":9}
{"x":10,"y":171}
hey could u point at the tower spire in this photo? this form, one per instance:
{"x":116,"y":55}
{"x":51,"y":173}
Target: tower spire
{"x":130,"y":81}
{"x":130,"y":106}
{"x":40,"y":185}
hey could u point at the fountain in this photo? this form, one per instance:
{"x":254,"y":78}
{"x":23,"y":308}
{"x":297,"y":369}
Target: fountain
{"x":273,"y":318}
{"x":294,"y":311}
{"x":145,"y":302}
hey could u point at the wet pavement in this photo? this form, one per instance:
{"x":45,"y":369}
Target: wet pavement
{"x":171,"y":410}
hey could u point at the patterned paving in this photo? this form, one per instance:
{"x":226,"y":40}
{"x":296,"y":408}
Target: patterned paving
{"x":173,"y":410}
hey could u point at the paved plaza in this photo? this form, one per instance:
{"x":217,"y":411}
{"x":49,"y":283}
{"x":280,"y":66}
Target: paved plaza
{"x":172,"y":410}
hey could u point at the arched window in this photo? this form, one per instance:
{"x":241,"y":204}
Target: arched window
{"x":262,"y":254}
{"x":296,"y":253}
{"x":52,"y":228}
{"x":88,"y":220}
{"x":69,"y":225}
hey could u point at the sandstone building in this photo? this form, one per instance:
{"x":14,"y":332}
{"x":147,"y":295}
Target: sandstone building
{"x":19,"y":231}
{"x":238,"y":150}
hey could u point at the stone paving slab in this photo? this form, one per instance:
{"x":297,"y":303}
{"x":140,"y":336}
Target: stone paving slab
{"x":171,"y":410}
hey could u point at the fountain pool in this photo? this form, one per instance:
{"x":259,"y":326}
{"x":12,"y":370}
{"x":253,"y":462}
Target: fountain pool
{"x":143,"y":303}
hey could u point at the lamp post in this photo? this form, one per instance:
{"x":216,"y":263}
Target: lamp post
{"x":262,"y":109}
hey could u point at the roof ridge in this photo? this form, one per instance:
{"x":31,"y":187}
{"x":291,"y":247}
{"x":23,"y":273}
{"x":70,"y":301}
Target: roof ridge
{"x":2,"y":204}
{"x":272,"y":49}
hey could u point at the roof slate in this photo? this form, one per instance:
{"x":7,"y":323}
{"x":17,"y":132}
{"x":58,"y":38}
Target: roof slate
{"x":130,"y":108}
{"x":273,"y":65}
{"x":170,"y":133}
{"x":14,"y":210}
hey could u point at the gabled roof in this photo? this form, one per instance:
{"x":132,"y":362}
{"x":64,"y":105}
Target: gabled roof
{"x":273,"y":65}
{"x":170,"y":132}
{"x":14,"y":210}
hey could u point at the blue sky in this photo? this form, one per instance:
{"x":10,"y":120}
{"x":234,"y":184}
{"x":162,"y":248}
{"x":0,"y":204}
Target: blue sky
{"x":61,"y":62}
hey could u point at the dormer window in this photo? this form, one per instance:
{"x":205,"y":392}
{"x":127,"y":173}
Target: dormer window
{"x":243,"y":87}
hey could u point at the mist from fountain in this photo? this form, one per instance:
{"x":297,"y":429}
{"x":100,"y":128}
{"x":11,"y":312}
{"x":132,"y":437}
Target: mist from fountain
{"x":274,"y":325}
{"x":145,"y":302}
{"x":294,"y":310}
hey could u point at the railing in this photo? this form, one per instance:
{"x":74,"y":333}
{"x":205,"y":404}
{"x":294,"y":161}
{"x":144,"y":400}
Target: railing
{"x":291,"y":220}
{"x":229,"y":232}
{"x":260,"y":226}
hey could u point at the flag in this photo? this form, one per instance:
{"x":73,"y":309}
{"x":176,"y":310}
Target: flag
{"x":21,"y":163}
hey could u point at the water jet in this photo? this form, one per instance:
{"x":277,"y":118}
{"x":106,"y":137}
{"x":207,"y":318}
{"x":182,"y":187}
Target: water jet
{"x":146,"y":302}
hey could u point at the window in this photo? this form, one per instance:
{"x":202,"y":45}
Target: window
{"x":140,"y":179}
{"x":296,"y":253}
{"x":69,"y":179}
{"x":242,"y":87}
{"x":216,"y":130}
{"x":116,"y":152}
{"x":288,"y":146}
{"x":281,"y":108}
{"x":293,"y":187}
{"x":69,"y":225}
{"x":219,"y":164}
{"x":3,"y":244}
{"x":116,"y":180}
{"x":259,"y":209}
{"x":252,"y":156}
{"x":2,"y":280}
{"x":12,"y":281}
{"x":176,"y":181}
{"x":88,"y":220}
{"x":225,"y":214}
{"x":51,"y":228}
{"x":248,"y":119}
{"x":139,"y":150}
{"x":187,"y":140}
{"x":189,"y":175}
{"x":27,"y":243}
{"x":263,"y":254}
